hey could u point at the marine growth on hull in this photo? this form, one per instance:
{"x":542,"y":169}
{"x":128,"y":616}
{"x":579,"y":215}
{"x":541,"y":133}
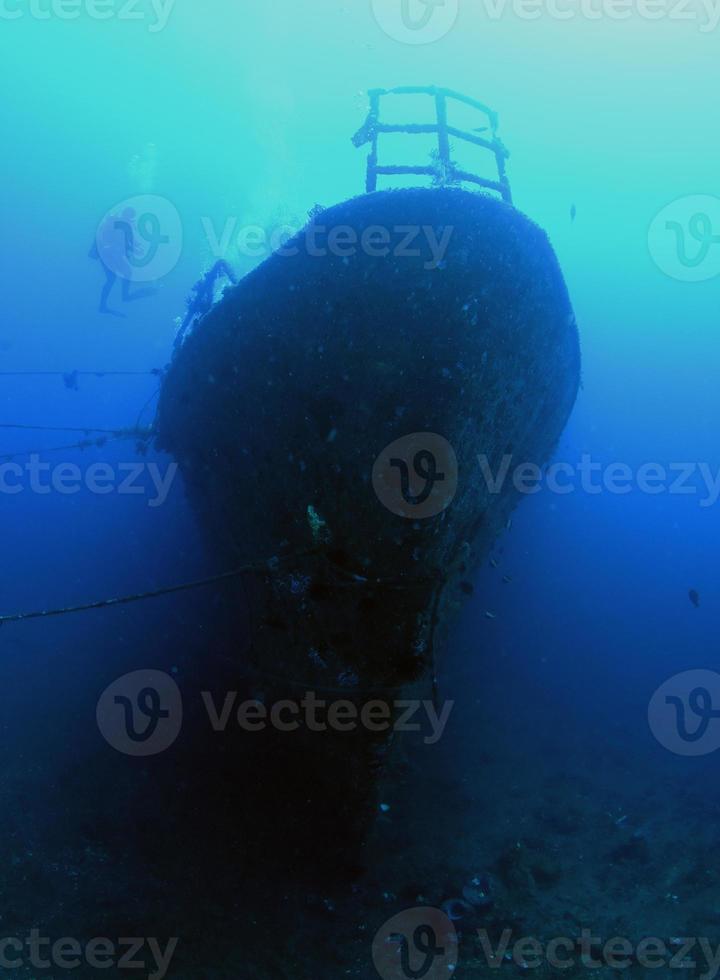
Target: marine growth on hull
{"x":335,"y":416}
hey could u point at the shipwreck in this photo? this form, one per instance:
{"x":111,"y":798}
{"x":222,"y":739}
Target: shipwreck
{"x":330,"y":414}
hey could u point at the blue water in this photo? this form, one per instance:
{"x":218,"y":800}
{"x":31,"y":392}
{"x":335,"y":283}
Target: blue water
{"x":240,"y":115}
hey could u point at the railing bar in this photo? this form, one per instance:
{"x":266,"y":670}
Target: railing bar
{"x":407,"y":127}
{"x":422,"y":129}
{"x":389,"y":170}
{"x":494,"y":145}
{"x":483,"y":181}
{"x":433,"y":91}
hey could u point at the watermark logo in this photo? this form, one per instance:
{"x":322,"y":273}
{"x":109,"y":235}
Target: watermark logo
{"x":416,"y":476}
{"x":68,"y":479}
{"x":156,"y":13}
{"x":684,"y":239}
{"x":419,"y":944}
{"x":594,"y":953}
{"x":317,"y":240}
{"x":704,"y":12}
{"x":313,"y":714}
{"x":140,"y":239}
{"x":684,"y":713}
{"x":590,"y":476}
{"x":416,"y":21}
{"x":38,"y":953}
{"x":141,"y":713}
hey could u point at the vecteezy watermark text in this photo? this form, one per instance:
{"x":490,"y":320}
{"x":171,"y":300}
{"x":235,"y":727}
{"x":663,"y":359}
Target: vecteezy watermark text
{"x":592,"y":477}
{"x":423,"y":942}
{"x":141,"y":714}
{"x":417,"y":476}
{"x":155,"y":12}
{"x":706,"y":12}
{"x":129,"y":953}
{"x":593,"y":953}
{"x":343,"y":241}
{"x":43,"y":478}
{"x":319,"y":715}
{"x":140,"y":241}
{"x":426,"y":21}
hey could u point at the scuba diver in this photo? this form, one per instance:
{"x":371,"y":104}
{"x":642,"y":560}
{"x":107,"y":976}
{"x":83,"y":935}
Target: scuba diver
{"x":202,"y":297}
{"x":114,"y":247}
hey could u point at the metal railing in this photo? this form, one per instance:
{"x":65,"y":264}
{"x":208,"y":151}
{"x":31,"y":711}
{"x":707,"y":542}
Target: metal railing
{"x":442,"y":169}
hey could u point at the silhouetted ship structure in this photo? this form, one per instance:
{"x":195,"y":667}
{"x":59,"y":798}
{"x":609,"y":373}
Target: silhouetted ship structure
{"x":280,"y":405}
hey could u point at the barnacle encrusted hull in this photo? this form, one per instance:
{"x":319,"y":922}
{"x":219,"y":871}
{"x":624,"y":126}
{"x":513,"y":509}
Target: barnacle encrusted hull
{"x":435,"y":319}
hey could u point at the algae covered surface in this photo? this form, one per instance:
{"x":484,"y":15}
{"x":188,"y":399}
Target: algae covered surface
{"x":434,"y":323}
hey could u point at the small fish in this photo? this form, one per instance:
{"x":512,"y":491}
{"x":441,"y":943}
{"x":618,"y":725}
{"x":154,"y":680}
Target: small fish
{"x":494,"y":562}
{"x":468,"y":588}
{"x":70,"y":380}
{"x":490,"y":615}
{"x":573,"y":213}
{"x":507,"y":579}
{"x":508,"y":526}
{"x":694,"y":598}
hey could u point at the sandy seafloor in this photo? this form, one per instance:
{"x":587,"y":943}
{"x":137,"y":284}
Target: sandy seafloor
{"x":567,"y":804}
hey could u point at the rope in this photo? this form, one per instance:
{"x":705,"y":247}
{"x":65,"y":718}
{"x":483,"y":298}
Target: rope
{"x":188,"y":586}
{"x":125,"y":600}
{"x":140,"y":434}
{"x":85,"y":444}
{"x":71,"y":379}
{"x":238,"y":573}
{"x":80,"y":374}
{"x":68,"y":428}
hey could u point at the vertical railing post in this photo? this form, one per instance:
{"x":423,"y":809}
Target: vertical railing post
{"x":443,"y":139}
{"x":500,"y":159}
{"x":371,"y":180}
{"x":504,"y":182}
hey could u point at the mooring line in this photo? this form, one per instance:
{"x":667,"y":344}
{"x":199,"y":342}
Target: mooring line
{"x":266,"y":567}
{"x":126,"y":599}
{"x":85,"y":444}
{"x":103,"y":436}
{"x":86,"y":429}
{"x":155,"y":372}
